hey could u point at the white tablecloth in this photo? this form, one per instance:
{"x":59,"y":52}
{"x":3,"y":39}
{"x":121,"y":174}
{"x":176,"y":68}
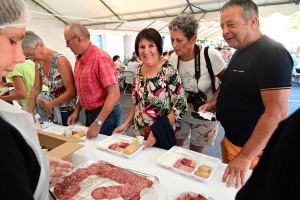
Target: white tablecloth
{"x":146,"y":161}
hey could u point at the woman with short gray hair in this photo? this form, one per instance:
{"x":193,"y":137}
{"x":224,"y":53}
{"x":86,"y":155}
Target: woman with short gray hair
{"x":187,"y":23}
{"x":55,"y":71}
{"x":197,"y":81}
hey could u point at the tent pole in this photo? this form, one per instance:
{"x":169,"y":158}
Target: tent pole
{"x":50,"y":12}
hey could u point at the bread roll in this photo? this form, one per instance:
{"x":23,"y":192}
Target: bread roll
{"x":79,"y":134}
{"x":202,"y":174}
{"x":130,"y":149}
{"x":205,"y":168}
{"x":203,"y":171}
{"x":76,"y":135}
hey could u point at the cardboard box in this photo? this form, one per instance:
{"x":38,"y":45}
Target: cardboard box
{"x":59,"y":146}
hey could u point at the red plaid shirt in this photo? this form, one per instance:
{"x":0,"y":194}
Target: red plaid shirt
{"x":94,"y":71}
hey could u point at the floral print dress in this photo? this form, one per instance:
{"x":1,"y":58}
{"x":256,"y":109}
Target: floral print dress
{"x":157,"y":96}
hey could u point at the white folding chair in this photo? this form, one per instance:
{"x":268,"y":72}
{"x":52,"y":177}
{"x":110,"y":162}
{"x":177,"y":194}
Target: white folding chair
{"x":129,"y":76}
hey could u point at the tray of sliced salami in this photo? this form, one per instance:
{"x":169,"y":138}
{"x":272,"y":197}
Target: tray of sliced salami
{"x":122,"y":145}
{"x":193,"y":196}
{"x":190,"y":163}
{"x":103,"y":180}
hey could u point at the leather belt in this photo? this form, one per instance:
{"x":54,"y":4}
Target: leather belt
{"x":66,"y":109}
{"x":96,"y":110}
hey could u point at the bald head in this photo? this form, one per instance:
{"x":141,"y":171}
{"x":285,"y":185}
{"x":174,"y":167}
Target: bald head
{"x":76,"y":28}
{"x":77,"y":38}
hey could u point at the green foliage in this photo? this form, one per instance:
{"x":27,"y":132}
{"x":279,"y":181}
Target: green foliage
{"x":294,"y":24}
{"x":262,"y":22}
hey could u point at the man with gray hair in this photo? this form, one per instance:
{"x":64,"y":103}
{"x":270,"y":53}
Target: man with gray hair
{"x":255,"y":89}
{"x":96,"y":83}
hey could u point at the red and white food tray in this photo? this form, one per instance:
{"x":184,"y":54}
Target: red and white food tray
{"x":187,"y":162}
{"x":102,"y":180}
{"x":119,"y":139}
{"x":193,"y":196}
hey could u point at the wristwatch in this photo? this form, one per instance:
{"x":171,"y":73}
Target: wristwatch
{"x":98,"y":121}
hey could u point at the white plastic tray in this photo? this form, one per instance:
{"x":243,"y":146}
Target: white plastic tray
{"x":116,"y":138}
{"x":58,"y":130}
{"x":168,"y":159}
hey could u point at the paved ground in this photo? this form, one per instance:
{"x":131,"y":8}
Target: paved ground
{"x":215,"y":151}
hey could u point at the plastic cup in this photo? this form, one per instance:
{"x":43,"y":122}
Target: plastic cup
{"x":68,"y":132}
{"x":161,"y":191}
{"x":148,"y":194}
{"x":140,"y":140}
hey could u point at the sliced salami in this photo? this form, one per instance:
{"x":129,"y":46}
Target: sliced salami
{"x":130,"y":184}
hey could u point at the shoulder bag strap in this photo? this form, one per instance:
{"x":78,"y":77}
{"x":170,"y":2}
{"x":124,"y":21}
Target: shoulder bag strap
{"x":197,"y":63}
{"x":209,"y":68}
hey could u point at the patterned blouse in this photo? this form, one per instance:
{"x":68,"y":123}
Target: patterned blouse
{"x":157,"y":96}
{"x":57,"y":87}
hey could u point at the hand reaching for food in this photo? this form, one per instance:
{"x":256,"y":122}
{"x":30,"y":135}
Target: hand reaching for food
{"x":121,"y":129}
{"x":151,"y":140}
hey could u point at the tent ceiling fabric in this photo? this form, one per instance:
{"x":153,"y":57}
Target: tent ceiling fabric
{"x":140,"y":14}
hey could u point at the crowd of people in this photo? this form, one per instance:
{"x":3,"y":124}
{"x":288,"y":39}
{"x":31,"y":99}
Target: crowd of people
{"x":167,"y":90}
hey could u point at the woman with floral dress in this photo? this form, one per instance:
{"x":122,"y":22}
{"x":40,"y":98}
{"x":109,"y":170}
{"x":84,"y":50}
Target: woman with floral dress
{"x":156,"y":89}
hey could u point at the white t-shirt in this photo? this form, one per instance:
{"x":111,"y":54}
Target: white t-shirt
{"x":133,"y":66}
{"x":187,"y":74}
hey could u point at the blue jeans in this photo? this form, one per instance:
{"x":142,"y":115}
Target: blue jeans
{"x":65,"y":115}
{"x":113,"y":120}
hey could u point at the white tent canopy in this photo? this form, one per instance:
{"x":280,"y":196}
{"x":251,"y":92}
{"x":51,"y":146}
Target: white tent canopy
{"x":134,"y":15}
{"x":128,"y":17}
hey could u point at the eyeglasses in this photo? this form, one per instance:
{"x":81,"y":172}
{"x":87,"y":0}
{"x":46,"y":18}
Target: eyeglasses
{"x":32,"y":53}
{"x":67,"y":41}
